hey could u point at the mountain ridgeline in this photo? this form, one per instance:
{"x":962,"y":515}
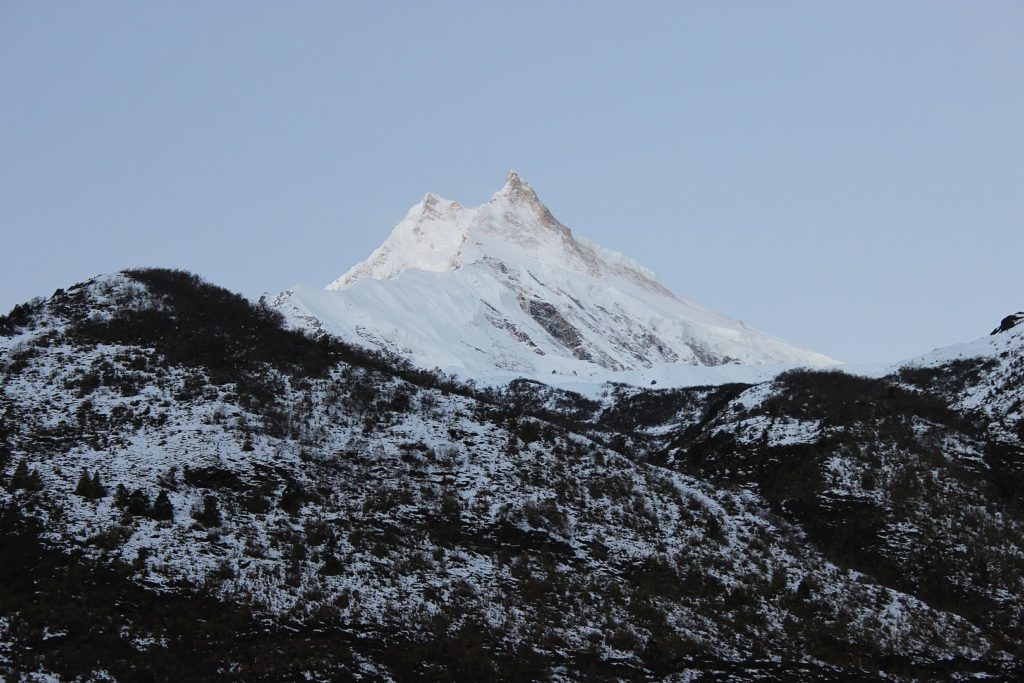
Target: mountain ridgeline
{"x":191,"y":490}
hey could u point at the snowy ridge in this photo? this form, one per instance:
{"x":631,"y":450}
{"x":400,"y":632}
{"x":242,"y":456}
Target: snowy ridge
{"x":614,"y":258}
{"x":505,"y":287}
{"x":993,"y":345}
{"x":986,"y":376}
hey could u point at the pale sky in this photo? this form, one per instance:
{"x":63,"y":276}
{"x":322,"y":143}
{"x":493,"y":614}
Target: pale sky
{"x":844,"y":175}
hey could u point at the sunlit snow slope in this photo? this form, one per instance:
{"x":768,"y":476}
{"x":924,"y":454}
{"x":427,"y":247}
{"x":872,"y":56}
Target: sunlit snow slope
{"x":506,"y":288}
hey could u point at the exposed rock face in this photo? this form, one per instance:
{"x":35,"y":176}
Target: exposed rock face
{"x":552,"y":321}
{"x":1009,"y":322}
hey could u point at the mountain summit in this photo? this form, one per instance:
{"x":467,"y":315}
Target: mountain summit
{"x":514,"y":225}
{"x":506,"y":287}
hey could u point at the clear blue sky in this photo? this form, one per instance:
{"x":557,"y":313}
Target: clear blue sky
{"x":846,"y":175}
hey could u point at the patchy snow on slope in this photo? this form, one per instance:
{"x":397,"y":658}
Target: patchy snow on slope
{"x":387,"y":499}
{"x":983,"y":376}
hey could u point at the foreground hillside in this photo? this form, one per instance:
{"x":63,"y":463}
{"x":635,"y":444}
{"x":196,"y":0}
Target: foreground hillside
{"x":190,"y":490}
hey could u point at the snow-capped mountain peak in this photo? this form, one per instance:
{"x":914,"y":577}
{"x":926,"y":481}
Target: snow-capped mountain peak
{"x":507,"y":287}
{"x":429,"y":238}
{"x":516,"y":197}
{"x":438,"y":235}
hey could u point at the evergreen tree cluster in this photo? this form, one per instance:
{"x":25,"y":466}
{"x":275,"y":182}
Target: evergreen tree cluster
{"x":137,"y":503}
{"x":25,"y":478}
{"x":90,"y":487}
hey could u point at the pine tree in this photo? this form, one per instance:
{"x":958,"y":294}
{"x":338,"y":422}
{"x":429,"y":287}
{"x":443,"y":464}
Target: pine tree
{"x":138,"y":503}
{"x":121,"y":497}
{"x":210,"y":514}
{"x":20,"y":472}
{"x":98,"y":489}
{"x":82,"y":489}
{"x":162,"y":508}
